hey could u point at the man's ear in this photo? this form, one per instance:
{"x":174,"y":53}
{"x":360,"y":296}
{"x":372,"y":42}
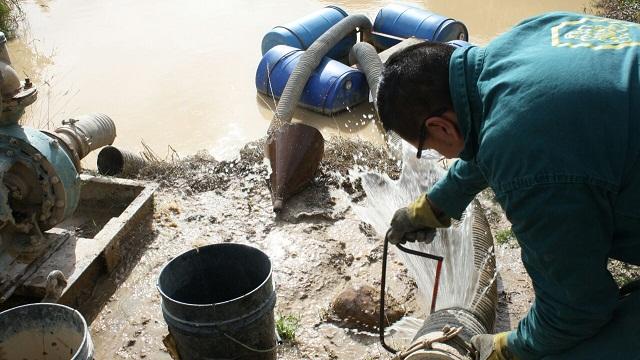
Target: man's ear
{"x":443,"y":130}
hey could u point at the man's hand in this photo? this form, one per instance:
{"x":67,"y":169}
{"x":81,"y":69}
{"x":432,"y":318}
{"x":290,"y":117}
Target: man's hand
{"x":492,"y":347}
{"x":416,"y":222}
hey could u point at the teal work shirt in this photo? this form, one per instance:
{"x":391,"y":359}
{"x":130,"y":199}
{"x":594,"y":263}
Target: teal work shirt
{"x":550,"y":113}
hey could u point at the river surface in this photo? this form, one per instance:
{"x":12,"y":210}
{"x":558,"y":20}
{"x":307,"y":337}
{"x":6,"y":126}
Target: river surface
{"x":180,"y":74}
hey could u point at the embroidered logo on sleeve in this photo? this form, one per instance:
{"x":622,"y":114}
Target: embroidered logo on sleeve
{"x":596,"y":34}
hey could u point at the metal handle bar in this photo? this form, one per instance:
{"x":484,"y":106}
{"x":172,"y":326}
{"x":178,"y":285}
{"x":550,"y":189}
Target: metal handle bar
{"x":383,"y":281}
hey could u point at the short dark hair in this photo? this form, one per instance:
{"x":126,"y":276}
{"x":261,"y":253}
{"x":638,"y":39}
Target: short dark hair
{"x":413,"y":85}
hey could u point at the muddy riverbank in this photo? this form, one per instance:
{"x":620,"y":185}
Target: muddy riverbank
{"x":318,"y":247}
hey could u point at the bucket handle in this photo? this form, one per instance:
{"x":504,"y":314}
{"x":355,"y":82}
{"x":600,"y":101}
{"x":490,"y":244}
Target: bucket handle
{"x":383,"y":280}
{"x":248,"y":318}
{"x":249,"y":347}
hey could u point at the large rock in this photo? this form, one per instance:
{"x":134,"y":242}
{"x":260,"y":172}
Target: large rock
{"x":358,"y":307}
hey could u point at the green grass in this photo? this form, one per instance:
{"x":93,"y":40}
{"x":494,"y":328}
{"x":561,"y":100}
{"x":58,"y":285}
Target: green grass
{"x":287,"y":326}
{"x":504,"y":236}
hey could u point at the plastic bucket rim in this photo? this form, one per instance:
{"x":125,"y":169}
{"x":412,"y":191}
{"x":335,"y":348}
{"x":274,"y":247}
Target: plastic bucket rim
{"x":166,"y":297}
{"x":85,"y":333}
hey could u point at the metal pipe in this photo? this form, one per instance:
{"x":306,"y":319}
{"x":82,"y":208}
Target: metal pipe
{"x":87,"y":133}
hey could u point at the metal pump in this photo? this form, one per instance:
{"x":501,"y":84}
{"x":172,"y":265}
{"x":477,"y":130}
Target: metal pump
{"x":39,"y":181}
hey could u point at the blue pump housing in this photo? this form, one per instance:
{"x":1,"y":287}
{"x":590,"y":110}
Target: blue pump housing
{"x":402,"y":22}
{"x":54,"y":161}
{"x":332,"y":87}
{"x":303,"y":32}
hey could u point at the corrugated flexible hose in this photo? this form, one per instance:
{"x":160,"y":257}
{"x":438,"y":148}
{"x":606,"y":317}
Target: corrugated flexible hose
{"x":309,"y":61}
{"x":368,"y":60}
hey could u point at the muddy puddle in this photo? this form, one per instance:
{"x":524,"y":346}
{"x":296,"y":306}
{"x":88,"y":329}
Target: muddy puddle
{"x":181,"y":73}
{"x":42,"y":344}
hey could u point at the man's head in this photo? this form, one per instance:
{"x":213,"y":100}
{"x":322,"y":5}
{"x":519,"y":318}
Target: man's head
{"x":414,"y":95}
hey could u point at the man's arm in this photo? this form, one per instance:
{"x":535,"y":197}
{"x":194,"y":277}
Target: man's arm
{"x":453,"y":193}
{"x":565,"y":232}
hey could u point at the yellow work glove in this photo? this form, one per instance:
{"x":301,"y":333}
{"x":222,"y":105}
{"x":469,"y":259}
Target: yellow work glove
{"x":416,"y":222}
{"x":492,"y":347}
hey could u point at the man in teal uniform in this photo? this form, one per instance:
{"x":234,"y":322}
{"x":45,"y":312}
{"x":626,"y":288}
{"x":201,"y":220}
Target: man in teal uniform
{"x":548,"y":116}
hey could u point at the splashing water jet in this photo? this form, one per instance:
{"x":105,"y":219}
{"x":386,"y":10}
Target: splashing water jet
{"x":467,"y":293}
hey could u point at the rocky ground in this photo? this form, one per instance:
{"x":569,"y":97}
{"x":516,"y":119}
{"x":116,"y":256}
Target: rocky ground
{"x":318,"y":247}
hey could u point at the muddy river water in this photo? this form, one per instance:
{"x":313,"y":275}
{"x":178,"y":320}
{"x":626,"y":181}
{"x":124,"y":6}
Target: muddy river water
{"x":181,"y":73}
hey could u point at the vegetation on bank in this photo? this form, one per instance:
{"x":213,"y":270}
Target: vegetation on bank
{"x":628,"y":10}
{"x":505,"y":236}
{"x":287,"y":326}
{"x":10,"y":15}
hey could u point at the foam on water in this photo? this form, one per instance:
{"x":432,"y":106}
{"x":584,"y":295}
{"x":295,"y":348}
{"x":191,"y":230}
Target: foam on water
{"x":385,"y":196}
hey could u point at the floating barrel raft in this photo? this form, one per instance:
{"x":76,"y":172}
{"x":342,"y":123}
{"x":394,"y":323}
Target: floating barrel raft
{"x":303,"y":64}
{"x":334,"y":86}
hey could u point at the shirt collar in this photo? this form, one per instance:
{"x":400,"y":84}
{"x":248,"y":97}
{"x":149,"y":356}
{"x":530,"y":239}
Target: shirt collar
{"x":464,"y":70}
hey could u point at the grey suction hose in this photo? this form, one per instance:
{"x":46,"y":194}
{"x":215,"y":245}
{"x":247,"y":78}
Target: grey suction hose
{"x":87,"y":133}
{"x":485,"y":299}
{"x":309,"y":61}
{"x":368,"y":60}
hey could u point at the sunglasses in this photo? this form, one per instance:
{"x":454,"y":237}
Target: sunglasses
{"x":423,"y":130}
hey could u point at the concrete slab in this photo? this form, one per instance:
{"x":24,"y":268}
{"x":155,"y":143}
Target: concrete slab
{"x":110,"y":209}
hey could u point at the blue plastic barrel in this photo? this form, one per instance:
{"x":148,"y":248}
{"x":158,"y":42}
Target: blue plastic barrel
{"x":402,"y":22}
{"x":332,"y":87}
{"x":303,"y":32}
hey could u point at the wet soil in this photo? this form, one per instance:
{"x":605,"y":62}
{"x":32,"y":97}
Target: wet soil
{"x":318,"y":247}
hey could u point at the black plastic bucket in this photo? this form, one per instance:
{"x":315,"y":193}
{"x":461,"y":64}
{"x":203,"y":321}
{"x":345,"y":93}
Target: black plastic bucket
{"x":218,"y":302}
{"x":44,"y":332}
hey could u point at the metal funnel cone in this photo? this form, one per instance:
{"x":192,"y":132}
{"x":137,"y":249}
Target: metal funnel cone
{"x":295,"y":152}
